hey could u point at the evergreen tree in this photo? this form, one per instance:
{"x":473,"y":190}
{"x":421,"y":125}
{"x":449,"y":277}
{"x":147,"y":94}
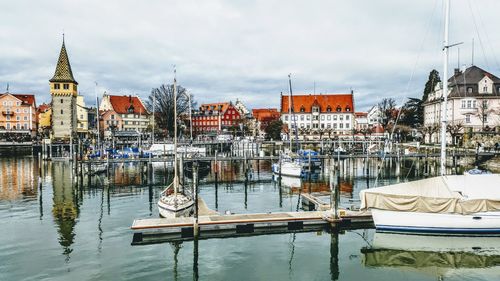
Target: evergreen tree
{"x":431,"y":84}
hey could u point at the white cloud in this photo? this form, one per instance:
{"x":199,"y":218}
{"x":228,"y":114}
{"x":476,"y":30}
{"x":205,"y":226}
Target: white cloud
{"x":239,"y":49}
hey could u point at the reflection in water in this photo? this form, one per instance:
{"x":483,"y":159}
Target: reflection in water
{"x":176,"y":247}
{"x":195,"y":260}
{"x":334,"y":255}
{"x":17,"y":178}
{"x":65,"y":205}
{"x":439,"y":254}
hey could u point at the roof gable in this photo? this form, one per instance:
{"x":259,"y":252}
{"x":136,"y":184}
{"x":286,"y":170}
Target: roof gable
{"x":122,"y":105}
{"x":26,"y":99}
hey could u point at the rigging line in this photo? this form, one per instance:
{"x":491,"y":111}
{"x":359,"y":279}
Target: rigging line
{"x":488,"y":40}
{"x":478,"y":34}
{"x":429,"y":23}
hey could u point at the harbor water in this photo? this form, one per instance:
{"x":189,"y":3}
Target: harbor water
{"x":58,"y":226}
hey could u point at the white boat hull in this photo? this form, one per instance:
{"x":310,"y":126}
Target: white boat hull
{"x":436,"y":223}
{"x":169,"y":211}
{"x":290,"y":169}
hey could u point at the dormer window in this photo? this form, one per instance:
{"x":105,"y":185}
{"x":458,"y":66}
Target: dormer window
{"x":469,"y":90}
{"x":302,"y":109}
{"x":315,"y":109}
{"x":339,"y":109}
{"x":329,"y":109}
{"x":347,"y":108}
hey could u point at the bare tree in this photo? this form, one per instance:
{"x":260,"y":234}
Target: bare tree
{"x":387,"y":113}
{"x":483,"y":112}
{"x":164,"y":106}
{"x":454,"y":129}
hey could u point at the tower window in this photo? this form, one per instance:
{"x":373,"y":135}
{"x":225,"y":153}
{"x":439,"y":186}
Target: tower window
{"x":62,"y":100}
{"x":57,"y":86}
{"x":62,"y":123}
{"x":62,"y":112}
{"x":66,"y":86}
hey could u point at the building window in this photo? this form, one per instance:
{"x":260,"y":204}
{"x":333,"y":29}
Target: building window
{"x":485,"y":104}
{"x":62,"y":112}
{"x":467,"y":118}
{"x":485,"y":89}
{"x":301,"y":117}
{"x":322,"y":117}
{"x":286,"y":117}
{"x":341,"y":125}
{"x":62,"y":100}
{"x":328,"y":117}
{"x":26,"y":125}
{"x":485,"y":118}
{"x":25,"y":118}
{"x":328,"y":109}
{"x":463,"y":103}
{"x":18,"y":118}
{"x":339,"y":109}
{"x":81,"y":116}
{"x":348,"y":109}
{"x":66,"y":86}
{"x":308,"y":117}
{"x":469,"y":90}
{"x":302,"y":109}
{"x":8,"y":116}
{"x":347,"y":117}
{"x":322,"y":126}
{"x":334,"y":117}
{"x":469,"y":104}
{"x":18,"y":104}
{"x":62,"y":122}
{"x":335,"y":125}
{"x":57,"y":86}
{"x":347,"y":125}
{"x":341,"y":117}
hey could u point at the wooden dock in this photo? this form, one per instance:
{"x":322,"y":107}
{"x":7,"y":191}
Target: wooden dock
{"x":159,"y":230}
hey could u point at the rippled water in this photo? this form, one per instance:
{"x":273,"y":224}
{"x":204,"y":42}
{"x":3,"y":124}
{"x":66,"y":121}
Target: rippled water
{"x":58,"y":227}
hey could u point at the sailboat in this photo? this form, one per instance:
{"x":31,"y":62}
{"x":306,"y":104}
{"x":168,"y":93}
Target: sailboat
{"x":459,"y":204}
{"x":287,"y":165}
{"x":175,"y":201}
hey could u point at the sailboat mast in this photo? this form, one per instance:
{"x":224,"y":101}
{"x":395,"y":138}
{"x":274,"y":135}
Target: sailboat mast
{"x":290,"y":111}
{"x":175,"y":133}
{"x":444,"y":105}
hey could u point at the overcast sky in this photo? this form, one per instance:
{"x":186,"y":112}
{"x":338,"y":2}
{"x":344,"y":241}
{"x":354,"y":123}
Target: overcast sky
{"x":224,"y":50}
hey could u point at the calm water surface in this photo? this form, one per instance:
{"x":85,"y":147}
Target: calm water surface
{"x":55,"y":229}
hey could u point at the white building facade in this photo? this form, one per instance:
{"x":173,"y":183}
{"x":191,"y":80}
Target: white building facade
{"x":473,"y":102}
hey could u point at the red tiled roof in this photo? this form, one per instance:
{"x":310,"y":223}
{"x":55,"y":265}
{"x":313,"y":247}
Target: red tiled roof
{"x":361,"y":114}
{"x":43,"y":107}
{"x":334,"y":101}
{"x":262,"y":114}
{"x":28,"y":99}
{"x":121,"y":104}
{"x":215,"y":106}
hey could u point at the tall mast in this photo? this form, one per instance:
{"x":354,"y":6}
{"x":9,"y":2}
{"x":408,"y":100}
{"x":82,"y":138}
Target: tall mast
{"x":175,"y":133}
{"x":97,"y":118}
{"x":153,"y":134}
{"x":444,"y":105}
{"x":290,"y":110}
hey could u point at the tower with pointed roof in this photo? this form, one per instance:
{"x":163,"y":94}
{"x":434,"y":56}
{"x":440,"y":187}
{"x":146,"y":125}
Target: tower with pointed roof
{"x":64,"y":92}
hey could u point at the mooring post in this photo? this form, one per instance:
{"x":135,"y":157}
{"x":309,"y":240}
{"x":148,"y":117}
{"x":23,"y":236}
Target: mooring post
{"x":195,"y":192}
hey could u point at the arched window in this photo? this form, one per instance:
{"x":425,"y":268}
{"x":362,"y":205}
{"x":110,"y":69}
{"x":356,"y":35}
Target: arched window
{"x":302,"y":109}
{"x":339,"y":109}
{"x":347,"y":108}
{"x":329,"y":109}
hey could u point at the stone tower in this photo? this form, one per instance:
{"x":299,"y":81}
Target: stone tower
{"x":64,"y":90}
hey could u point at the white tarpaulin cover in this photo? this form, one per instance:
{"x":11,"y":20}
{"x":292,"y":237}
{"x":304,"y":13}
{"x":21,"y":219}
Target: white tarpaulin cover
{"x":464,"y":194}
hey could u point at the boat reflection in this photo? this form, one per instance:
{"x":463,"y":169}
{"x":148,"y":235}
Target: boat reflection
{"x":432,"y":252}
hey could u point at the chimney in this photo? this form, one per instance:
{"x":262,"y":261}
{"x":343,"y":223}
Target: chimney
{"x":457,"y":71}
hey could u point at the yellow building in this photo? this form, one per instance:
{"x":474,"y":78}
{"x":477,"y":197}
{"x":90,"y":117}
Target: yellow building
{"x":82,"y":116}
{"x":64,"y":92}
{"x":44,"y":117}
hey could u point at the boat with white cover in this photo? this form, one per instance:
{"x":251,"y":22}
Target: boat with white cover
{"x":455,"y":204}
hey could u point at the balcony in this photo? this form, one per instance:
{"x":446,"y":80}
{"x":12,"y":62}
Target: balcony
{"x":8,"y":113}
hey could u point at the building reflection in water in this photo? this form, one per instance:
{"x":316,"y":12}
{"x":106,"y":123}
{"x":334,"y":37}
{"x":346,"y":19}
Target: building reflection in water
{"x":18,"y":178}
{"x":65,"y":207}
{"x":440,"y":255}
